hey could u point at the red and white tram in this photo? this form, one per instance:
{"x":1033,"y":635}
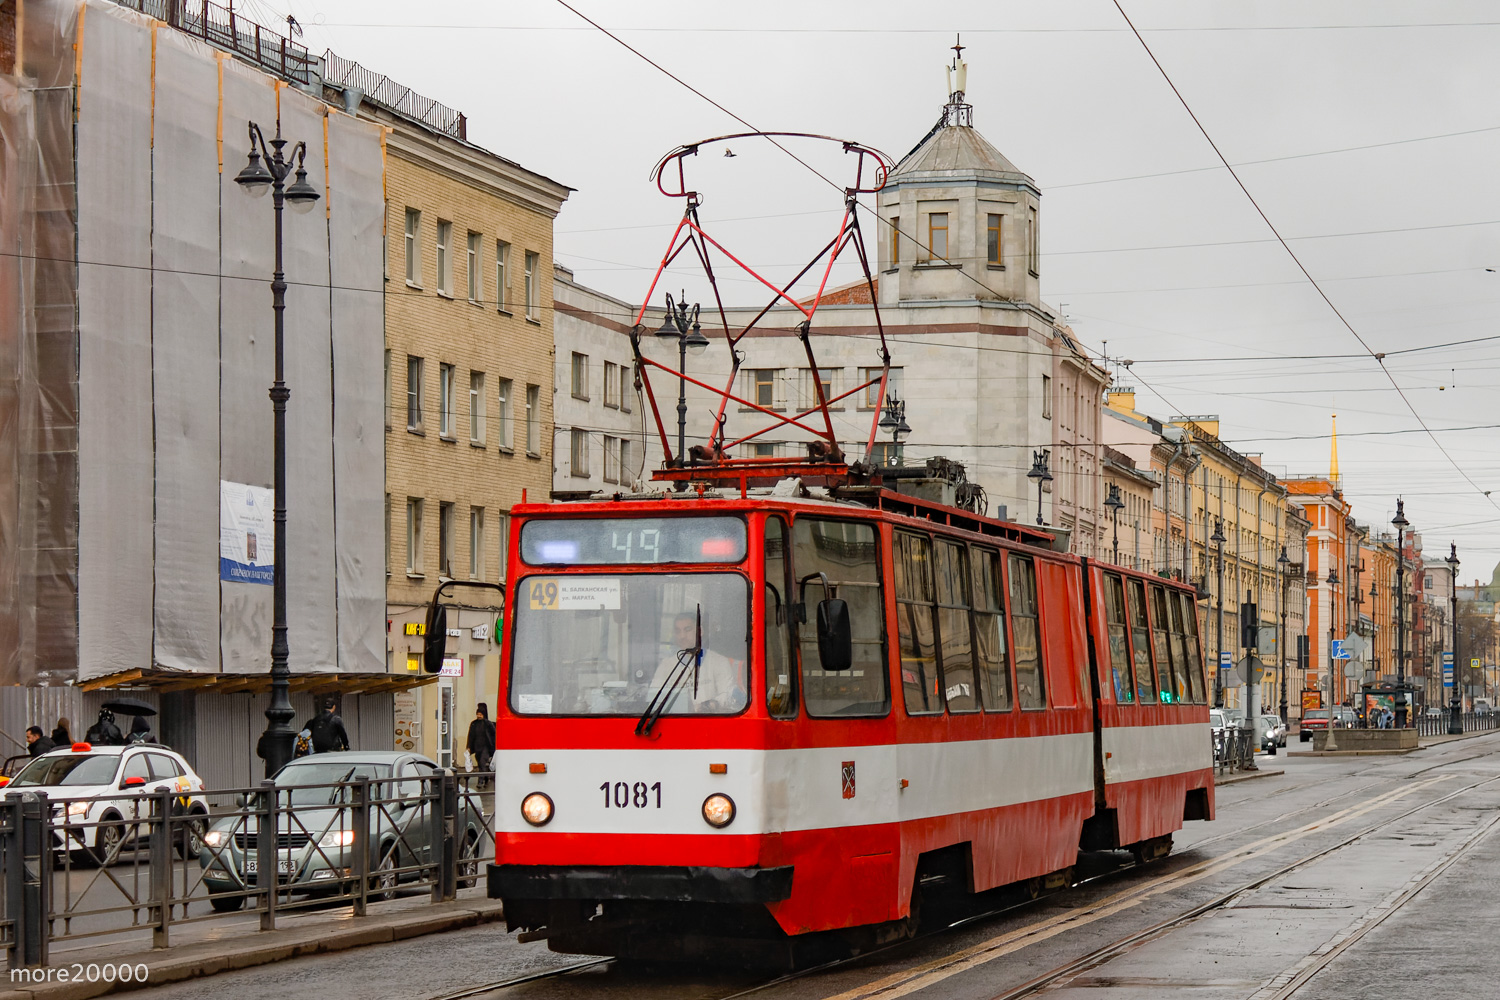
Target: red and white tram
{"x":729,"y":722}
{"x":756,"y":718}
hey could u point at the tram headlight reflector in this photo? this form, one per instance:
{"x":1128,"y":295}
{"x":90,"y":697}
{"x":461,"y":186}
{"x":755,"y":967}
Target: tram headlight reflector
{"x":718,"y":810}
{"x":536,"y":809}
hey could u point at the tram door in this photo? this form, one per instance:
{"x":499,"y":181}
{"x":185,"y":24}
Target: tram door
{"x":445,"y":723}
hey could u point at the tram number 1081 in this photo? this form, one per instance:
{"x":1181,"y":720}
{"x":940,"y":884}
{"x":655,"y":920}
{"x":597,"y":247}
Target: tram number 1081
{"x":623,"y":795}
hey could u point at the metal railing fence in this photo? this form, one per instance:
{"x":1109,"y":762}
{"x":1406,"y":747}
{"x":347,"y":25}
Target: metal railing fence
{"x":1471,"y":722}
{"x":1234,"y":748}
{"x":150,"y":859}
{"x":229,"y":29}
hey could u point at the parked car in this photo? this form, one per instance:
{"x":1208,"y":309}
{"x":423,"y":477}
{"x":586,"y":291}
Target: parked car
{"x":1346,"y":718}
{"x":1270,"y":732}
{"x":1482,"y":706}
{"x":1313,"y":720}
{"x":1433,"y":712}
{"x":101,"y":791}
{"x":315,"y":835}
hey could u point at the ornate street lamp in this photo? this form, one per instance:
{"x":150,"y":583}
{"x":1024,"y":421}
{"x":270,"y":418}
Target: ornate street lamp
{"x":1456,"y":702}
{"x":1218,"y":539}
{"x":681,"y":322}
{"x":1039,"y":475}
{"x":894,"y":421}
{"x":1333,"y":582}
{"x":267,"y":170}
{"x":1114,"y":503}
{"x":1282,"y":562}
{"x":1400,"y":522}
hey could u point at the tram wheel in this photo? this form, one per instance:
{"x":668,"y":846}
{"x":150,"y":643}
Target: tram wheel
{"x":1147,"y":851}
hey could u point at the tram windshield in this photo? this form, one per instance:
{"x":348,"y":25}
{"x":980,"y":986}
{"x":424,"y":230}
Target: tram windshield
{"x":604,"y":644}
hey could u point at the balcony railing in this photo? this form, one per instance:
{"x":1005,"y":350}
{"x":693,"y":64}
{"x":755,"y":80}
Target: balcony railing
{"x":227,"y":29}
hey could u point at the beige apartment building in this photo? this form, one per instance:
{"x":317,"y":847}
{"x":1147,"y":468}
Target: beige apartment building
{"x":468,"y":404}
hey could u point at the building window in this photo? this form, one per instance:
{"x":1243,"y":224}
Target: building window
{"x":476,"y":543}
{"x":993,"y":232}
{"x":506,"y":441}
{"x":502,"y":535}
{"x":895,"y":240}
{"x":387,"y":390}
{"x":413,"y":247}
{"x":387,"y":534}
{"x":579,"y":453}
{"x":884,"y":453}
{"x":413,"y":393}
{"x":627,"y":461}
{"x":445,"y":400}
{"x":627,"y":390}
{"x":760,"y":449}
{"x":445,"y":539}
{"x":1046,"y":397}
{"x":502,"y":275}
{"x":476,"y":287}
{"x":611,"y":388}
{"x":476,"y":407}
{"x":611,"y":459}
{"x":807,"y":389}
{"x":580,"y":376}
{"x":937,"y":235}
{"x":414,"y":536}
{"x":533,"y":420}
{"x":444,"y":260}
{"x":1033,"y":243}
{"x":760,"y":386}
{"x":531,"y":283}
{"x":870,"y":398}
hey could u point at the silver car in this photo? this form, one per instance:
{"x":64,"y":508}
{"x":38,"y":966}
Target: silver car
{"x":315,"y":828}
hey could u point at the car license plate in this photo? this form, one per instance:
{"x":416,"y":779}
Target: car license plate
{"x":285,"y":866}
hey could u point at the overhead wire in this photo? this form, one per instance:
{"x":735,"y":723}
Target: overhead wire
{"x":1377,"y":356}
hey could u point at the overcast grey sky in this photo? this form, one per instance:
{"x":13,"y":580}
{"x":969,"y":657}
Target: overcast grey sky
{"x":1368,"y":132}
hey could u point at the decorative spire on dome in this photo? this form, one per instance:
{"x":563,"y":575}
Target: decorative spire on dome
{"x":1333,"y":459}
{"x":956,"y":112}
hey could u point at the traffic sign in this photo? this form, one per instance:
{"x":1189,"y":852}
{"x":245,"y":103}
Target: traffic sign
{"x":1340,"y":652}
{"x":1447,"y":670}
{"x":1225,"y":660}
{"x":1473,"y":664}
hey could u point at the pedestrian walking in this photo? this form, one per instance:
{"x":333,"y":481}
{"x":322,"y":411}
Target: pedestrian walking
{"x":481,"y":743}
{"x":327,"y":730}
{"x":37,"y":743}
{"x":60,"y":732}
{"x":140,"y":731}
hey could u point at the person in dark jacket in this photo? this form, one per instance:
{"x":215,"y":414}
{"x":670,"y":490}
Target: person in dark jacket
{"x":482,"y":740}
{"x":327,"y":730}
{"x":60,"y":732}
{"x":36,"y":743}
{"x":105,"y":733}
{"x":140,"y":731}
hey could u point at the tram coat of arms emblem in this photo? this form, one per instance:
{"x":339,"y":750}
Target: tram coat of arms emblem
{"x":848,"y":775}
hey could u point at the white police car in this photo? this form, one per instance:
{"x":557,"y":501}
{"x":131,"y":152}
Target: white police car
{"x":98,"y":791}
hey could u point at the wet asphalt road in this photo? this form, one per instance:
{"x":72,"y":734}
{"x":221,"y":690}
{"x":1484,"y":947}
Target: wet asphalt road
{"x":1406,"y":910}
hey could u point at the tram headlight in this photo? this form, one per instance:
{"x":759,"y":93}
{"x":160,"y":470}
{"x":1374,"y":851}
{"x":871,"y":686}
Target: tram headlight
{"x":536,"y":809}
{"x":718,"y":810}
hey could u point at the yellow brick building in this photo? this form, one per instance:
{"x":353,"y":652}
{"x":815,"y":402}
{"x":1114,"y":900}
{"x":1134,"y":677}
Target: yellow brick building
{"x":468,"y":383}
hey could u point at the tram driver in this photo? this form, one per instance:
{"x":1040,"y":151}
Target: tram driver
{"x":721,"y":684}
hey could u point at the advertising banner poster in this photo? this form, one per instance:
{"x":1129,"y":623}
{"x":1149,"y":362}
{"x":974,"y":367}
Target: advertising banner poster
{"x":408,"y":717}
{"x":247,"y":534}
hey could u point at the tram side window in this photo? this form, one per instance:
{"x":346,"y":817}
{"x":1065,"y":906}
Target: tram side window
{"x":920,"y":681}
{"x":990,"y":653}
{"x":848,"y":553}
{"x":955,"y":645}
{"x":781,"y":691}
{"x":1119,"y":647}
{"x":1026,"y":630}
{"x":1194,"y":651}
{"x":1161,"y":625}
{"x":1140,"y":643}
{"x":1181,"y":691}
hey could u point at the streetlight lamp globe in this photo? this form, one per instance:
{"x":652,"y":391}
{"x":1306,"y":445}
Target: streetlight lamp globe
{"x":255,"y":179}
{"x":695,"y":341}
{"x":301,"y":195}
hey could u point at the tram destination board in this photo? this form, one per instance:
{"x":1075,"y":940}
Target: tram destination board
{"x":615,"y":541}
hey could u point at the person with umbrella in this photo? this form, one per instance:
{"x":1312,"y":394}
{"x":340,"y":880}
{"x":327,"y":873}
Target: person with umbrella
{"x":140,"y":729}
{"x":105,"y":733}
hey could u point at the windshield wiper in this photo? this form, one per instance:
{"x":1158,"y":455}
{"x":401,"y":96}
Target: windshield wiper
{"x":339,"y":789}
{"x":663,"y":695}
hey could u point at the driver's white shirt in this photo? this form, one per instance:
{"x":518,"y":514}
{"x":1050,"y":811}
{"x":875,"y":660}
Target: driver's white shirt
{"x":720,"y":684}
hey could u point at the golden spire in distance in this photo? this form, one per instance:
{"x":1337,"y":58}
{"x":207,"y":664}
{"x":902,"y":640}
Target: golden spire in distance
{"x":1333,"y":461}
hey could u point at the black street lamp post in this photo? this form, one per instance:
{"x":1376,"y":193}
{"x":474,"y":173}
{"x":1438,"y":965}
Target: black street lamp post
{"x":1400,"y":522}
{"x":682,"y":322}
{"x":1456,"y":701}
{"x":1114,"y":503}
{"x":1039,"y":475}
{"x":257,"y":178}
{"x":1333,"y":582}
{"x":1218,"y":539}
{"x":1282,"y":562}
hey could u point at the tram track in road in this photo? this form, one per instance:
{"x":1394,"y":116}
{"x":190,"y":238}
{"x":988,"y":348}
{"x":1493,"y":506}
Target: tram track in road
{"x":938,"y":970}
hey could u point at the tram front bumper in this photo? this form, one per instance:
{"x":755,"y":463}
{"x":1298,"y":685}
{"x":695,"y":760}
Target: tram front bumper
{"x":647,"y":882}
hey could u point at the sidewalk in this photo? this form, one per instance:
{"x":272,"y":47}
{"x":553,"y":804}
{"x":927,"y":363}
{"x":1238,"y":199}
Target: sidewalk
{"x":218,"y":946}
{"x":1422,"y":743}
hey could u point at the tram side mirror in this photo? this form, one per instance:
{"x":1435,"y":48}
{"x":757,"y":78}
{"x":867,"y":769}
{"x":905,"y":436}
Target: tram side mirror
{"x":835,"y":637}
{"x":436,"y":643}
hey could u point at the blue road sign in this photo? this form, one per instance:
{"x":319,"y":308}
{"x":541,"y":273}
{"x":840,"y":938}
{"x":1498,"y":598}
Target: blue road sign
{"x":1225,"y":660}
{"x":1339,"y":652}
{"x":1447,"y":670}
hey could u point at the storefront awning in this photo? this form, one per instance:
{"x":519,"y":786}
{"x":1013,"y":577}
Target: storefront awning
{"x":159,"y":679}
